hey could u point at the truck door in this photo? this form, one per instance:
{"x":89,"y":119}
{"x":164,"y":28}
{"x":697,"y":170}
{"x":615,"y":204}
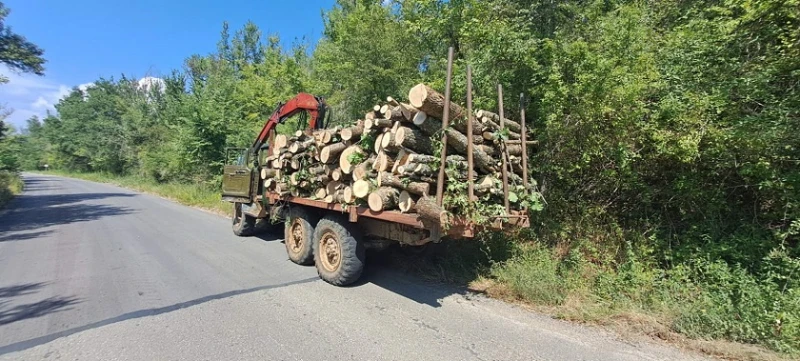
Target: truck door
{"x":237,"y":179}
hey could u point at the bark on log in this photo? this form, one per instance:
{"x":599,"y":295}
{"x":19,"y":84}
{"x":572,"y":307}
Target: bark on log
{"x":362,"y":170}
{"x":430,"y":126}
{"x":267,"y":173}
{"x":493,"y":127}
{"x":383,"y":198}
{"x":353,"y":133}
{"x":392,"y":101}
{"x":490,"y":150}
{"x":373,"y":124}
{"x":427,"y":208}
{"x":417,"y":188}
{"x":512,"y":125}
{"x":330,"y":152}
{"x":413,"y":139}
{"x":322,"y":179}
{"x":282,"y":189}
{"x":458,"y":141}
{"x":383,"y":162}
{"x":318,"y":169}
{"x":431,"y":102}
{"x":300,"y":146}
{"x":332,"y":186}
{"x":406,"y":202}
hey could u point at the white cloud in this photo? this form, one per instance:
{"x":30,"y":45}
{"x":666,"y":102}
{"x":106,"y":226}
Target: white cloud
{"x":29,"y":95}
{"x":149,"y":82}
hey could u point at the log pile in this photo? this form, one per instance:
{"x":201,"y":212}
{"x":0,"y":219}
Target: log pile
{"x":386,"y":161}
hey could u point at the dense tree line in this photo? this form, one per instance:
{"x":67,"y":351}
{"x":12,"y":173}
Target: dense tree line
{"x":667,"y":129}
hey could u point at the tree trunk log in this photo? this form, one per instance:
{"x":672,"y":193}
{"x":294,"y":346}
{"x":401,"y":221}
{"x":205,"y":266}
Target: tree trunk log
{"x":413,"y":139}
{"x":493,"y":128}
{"x":376,"y":147}
{"x":406,"y":202}
{"x":345,"y":163}
{"x":362,"y":188}
{"x":388,"y":142}
{"x":329,"y":153}
{"x":417,"y":188}
{"x":267,"y":173}
{"x":347,"y":195}
{"x":320,"y":193}
{"x":353,"y":133}
{"x":383,"y":162}
{"x":337,"y":174}
{"x":458,"y":141}
{"x":431,"y":102}
{"x":362,"y":170}
{"x":332,"y":186}
{"x":383,"y":198}
{"x":512,"y":125}
{"x":428,"y":208}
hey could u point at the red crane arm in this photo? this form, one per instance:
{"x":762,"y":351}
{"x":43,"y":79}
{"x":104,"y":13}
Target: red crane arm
{"x":301,"y":102}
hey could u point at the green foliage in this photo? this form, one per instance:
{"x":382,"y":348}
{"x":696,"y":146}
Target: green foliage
{"x":667,"y":139}
{"x":16,"y":51}
{"x":10,"y":185}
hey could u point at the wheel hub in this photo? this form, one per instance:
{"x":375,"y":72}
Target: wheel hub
{"x":330,"y":252}
{"x":237,"y":214}
{"x":297,"y":236}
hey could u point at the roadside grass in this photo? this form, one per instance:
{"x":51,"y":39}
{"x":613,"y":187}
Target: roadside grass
{"x":10,"y":185}
{"x":196,"y":195}
{"x":703,"y":305}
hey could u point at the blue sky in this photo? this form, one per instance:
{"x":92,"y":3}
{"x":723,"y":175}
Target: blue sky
{"x":87,"y":39}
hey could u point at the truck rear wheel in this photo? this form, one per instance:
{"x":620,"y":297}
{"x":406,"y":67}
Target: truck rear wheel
{"x":298,"y":235}
{"x":243,"y":225}
{"x":338,"y":254}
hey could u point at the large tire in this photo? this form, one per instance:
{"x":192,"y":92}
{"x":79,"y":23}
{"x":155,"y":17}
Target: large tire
{"x":338,"y":253}
{"x":243,"y":225}
{"x":298,"y":235}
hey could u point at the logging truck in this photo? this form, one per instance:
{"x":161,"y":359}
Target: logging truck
{"x":338,"y":191}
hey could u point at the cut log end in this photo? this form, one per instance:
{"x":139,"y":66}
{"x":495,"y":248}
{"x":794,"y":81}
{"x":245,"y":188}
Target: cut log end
{"x":383,"y":198}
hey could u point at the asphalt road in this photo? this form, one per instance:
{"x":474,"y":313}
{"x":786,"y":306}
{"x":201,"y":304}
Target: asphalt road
{"x":94,"y":272}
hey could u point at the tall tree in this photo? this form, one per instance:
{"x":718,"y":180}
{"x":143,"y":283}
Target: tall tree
{"x":16,"y":51}
{"x":18,"y":54}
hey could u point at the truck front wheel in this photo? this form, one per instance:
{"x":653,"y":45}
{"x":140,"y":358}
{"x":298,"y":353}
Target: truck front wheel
{"x":243,"y":225}
{"x":298,"y":235}
{"x":338,"y":254}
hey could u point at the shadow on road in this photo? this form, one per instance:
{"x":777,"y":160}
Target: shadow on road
{"x":29,"y":310}
{"x":20,"y":289}
{"x":22,"y":345}
{"x":16,"y":236}
{"x":36,"y":309}
{"x":382,"y":270}
{"x":35,"y":211}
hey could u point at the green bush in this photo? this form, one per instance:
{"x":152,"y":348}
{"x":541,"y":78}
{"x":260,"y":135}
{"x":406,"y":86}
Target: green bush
{"x":10,"y":185}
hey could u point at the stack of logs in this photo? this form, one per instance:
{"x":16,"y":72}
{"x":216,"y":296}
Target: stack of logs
{"x":386,"y":161}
